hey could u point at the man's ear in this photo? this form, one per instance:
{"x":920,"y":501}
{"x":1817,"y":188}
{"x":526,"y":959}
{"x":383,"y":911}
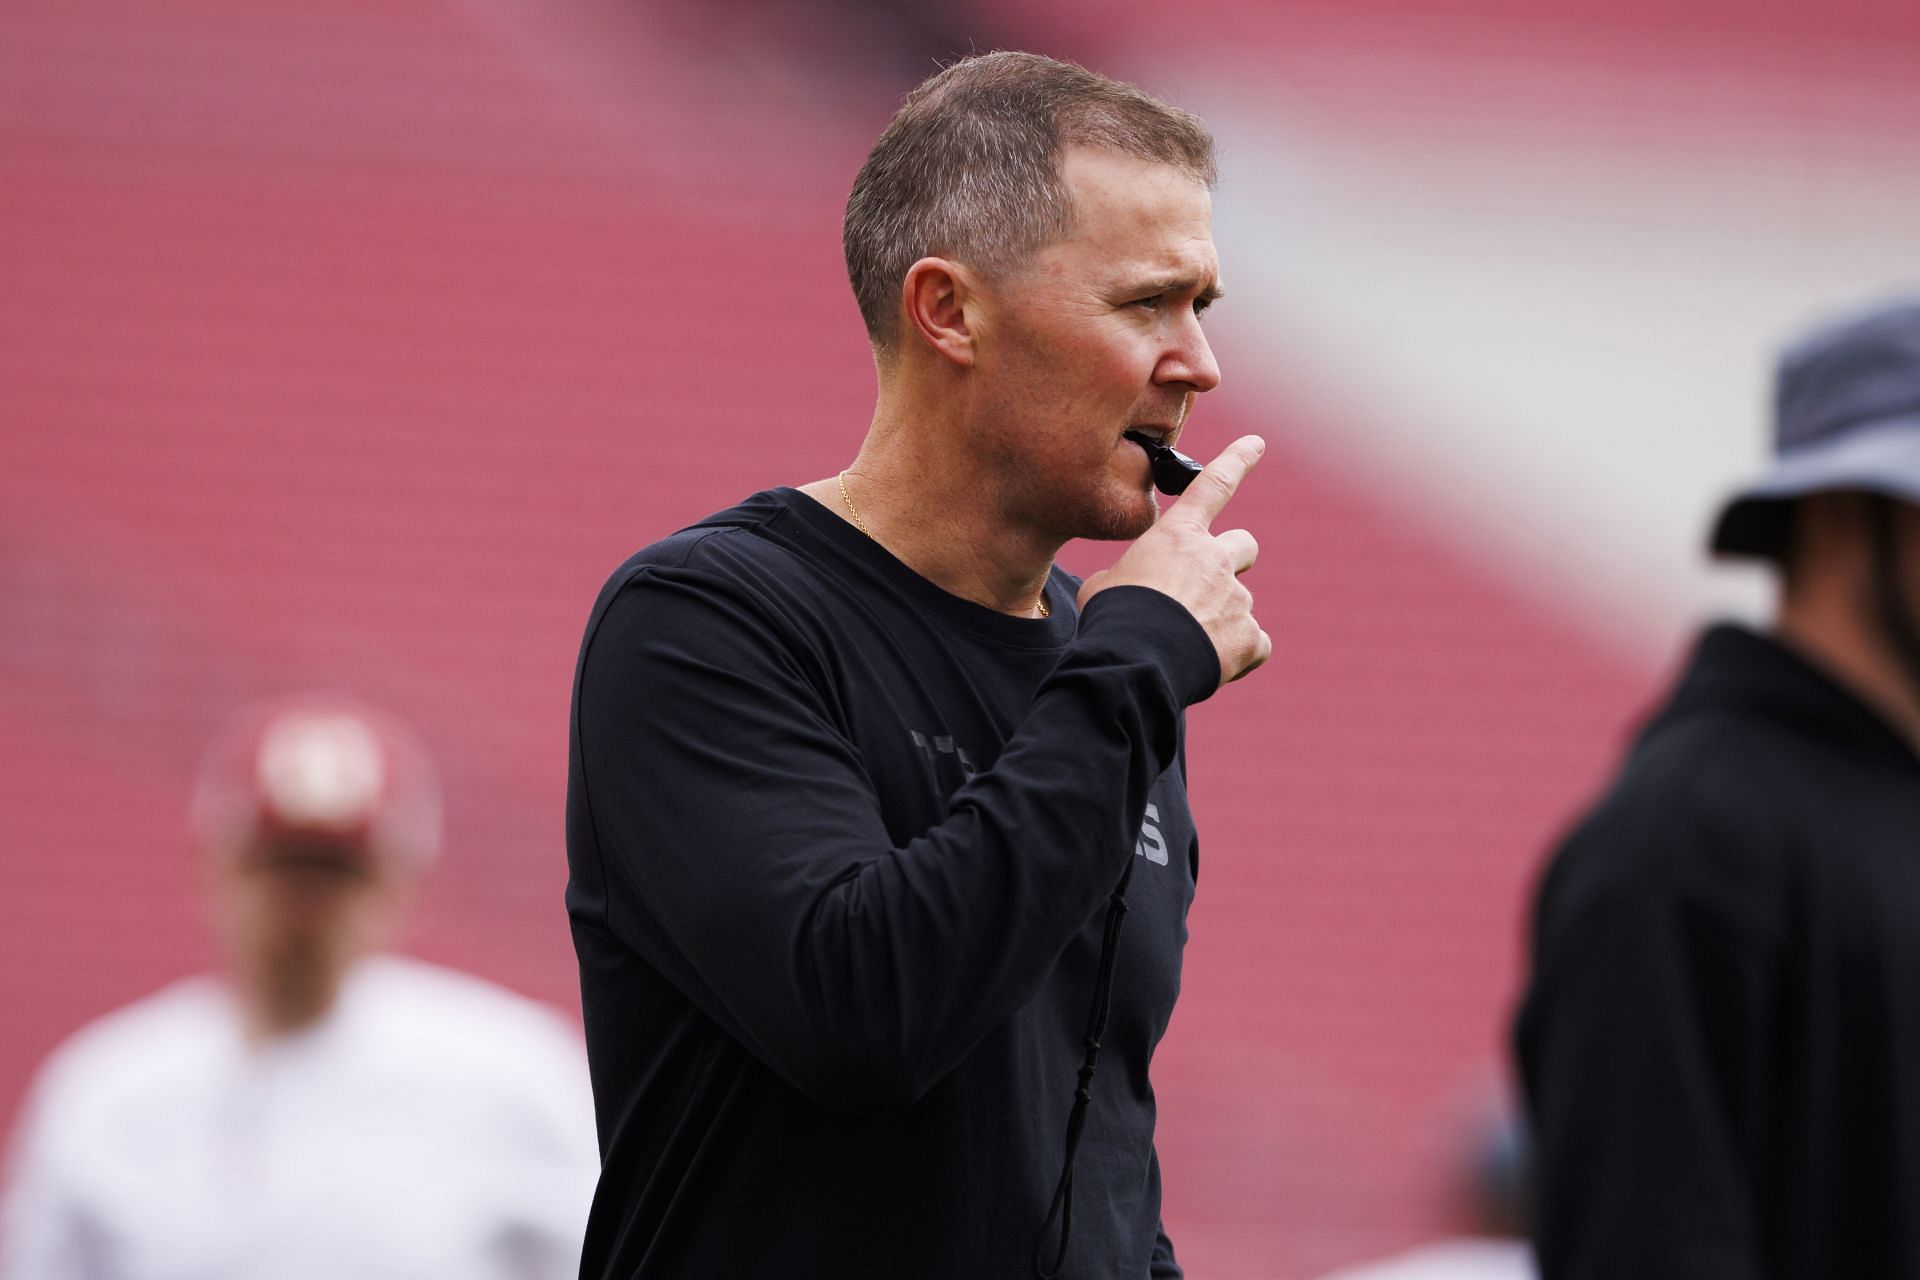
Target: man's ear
{"x":939,"y":303}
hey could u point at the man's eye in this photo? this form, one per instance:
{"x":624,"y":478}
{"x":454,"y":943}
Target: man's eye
{"x":1151,"y":304}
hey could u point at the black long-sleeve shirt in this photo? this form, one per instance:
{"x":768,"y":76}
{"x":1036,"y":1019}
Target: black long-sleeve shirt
{"x":1721,"y":1042}
{"x":840,"y":848}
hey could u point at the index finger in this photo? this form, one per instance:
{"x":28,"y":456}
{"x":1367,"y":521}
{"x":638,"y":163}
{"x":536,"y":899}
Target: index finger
{"x":1208,"y":494}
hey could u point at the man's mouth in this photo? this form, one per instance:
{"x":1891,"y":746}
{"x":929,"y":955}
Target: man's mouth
{"x":1172,"y":470}
{"x":1158,"y":433}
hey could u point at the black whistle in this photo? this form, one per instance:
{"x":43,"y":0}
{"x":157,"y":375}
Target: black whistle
{"x":1173,"y":470}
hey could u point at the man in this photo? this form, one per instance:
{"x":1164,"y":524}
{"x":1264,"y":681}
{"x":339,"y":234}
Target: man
{"x":856,"y":771}
{"x":1722,"y":1037}
{"x":325,"y":1111}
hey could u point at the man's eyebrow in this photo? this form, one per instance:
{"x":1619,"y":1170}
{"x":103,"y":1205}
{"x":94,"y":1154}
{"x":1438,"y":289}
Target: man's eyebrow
{"x":1180,"y":284}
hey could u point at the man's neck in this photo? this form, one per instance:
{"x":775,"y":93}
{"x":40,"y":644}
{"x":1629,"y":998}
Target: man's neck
{"x":286,"y":997}
{"x":914,"y":490}
{"x":1838,"y":641}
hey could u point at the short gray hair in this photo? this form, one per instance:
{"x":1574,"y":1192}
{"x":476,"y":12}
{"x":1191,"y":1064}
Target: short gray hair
{"x":969,"y":168}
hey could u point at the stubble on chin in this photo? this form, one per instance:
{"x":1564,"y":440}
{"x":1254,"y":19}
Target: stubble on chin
{"x":1101,"y":508}
{"x":1111,"y":520}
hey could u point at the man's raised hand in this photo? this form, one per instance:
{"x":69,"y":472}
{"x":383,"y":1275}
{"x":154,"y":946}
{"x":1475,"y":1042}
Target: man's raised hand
{"x":1182,"y":557}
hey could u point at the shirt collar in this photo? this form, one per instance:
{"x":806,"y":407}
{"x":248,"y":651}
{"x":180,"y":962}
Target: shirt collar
{"x":1743,"y":672}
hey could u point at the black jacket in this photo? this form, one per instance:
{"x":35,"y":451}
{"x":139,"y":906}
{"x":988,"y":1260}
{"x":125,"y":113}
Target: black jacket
{"x":1721,"y":1040}
{"x":840,"y":846}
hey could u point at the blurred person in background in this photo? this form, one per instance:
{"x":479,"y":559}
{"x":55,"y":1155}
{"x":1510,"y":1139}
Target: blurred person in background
{"x":1491,"y":1189}
{"x":862,"y":785}
{"x":322,"y":1110}
{"x":1721,"y":1040}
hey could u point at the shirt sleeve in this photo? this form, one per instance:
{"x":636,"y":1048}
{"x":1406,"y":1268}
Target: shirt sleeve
{"x":40,"y":1228}
{"x":1644,"y":1043}
{"x":1162,"y":1266}
{"x":743,"y":853}
{"x":546,"y":1157}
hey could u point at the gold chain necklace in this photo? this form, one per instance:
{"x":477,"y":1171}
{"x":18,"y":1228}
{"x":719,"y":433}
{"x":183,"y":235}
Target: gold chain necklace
{"x":861,"y":525}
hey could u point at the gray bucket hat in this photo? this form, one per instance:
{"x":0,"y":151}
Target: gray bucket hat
{"x":1846,"y":416}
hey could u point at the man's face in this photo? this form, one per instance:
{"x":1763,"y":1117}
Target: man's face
{"x":295,"y":912}
{"x":1096,"y":335}
{"x":1902,"y":630}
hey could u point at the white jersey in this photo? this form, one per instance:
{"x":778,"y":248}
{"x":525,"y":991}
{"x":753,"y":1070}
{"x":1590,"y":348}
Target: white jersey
{"x":1466,"y":1259}
{"x":432,"y":1125}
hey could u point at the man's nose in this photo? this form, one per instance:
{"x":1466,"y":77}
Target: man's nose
{"x":1189,"y":359}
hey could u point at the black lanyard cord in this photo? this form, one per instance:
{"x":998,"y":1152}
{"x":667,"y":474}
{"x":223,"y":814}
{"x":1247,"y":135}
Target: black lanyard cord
{"x":1062,"y":1207}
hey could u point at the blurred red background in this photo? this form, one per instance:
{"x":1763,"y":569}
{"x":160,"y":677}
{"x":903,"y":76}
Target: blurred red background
{"x":354,"y":345}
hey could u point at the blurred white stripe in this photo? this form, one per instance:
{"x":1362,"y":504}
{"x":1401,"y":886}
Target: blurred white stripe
{"x":1550,"y":346}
